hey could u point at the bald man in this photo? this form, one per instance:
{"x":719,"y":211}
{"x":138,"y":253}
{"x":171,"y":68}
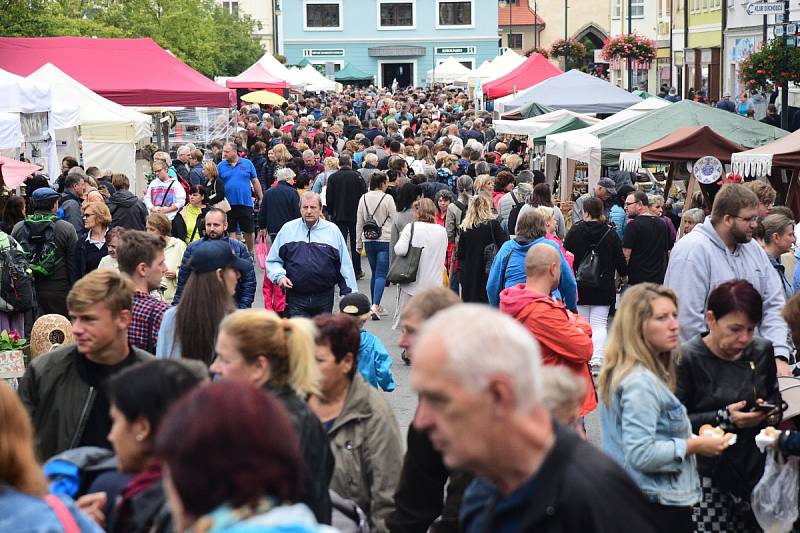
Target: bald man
{"x":565,"y":337}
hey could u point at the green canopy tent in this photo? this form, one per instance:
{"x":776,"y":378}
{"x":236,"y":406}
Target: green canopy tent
{"x":529,"y":111}
{"x":566,"y":124}
{"x":303,"y":62}
{"x":642,"y":130}
{"x":644,"y":94}
{"x":351,"y":74}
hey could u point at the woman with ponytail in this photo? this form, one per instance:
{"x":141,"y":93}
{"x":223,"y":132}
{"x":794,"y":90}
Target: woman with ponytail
{"x":258,"y":347}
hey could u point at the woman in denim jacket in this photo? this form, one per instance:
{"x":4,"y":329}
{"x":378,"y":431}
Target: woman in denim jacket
{"x":644,"y":425}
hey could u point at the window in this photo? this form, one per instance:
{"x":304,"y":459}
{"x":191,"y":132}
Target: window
{"x":515,"y":40}
{"x":695,"y":6}
{"x":231,"y":7}
{"x":454,"y":13}
{"x":616,"y":9}
{"x":322,"y":15}
{"x":637,"y":9}
{"x":395,"y":15}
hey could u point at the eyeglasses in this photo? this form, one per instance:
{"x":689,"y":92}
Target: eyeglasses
{"x":749,"y":220}
{"x":87,"y":216}
{"x":630,"y":203}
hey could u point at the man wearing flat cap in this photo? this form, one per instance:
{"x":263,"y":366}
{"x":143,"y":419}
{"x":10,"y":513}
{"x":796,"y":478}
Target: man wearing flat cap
{"x":50,"y":245}
{"x":605,"y":189}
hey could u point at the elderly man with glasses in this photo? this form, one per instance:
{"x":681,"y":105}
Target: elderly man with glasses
{"x":719,"y":250}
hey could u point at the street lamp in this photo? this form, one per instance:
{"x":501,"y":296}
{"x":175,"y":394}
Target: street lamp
{"x":566,"y":34}
{"x":630,"y":31}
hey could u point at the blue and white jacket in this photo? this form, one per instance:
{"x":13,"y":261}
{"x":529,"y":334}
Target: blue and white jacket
{"x":315,"y":259}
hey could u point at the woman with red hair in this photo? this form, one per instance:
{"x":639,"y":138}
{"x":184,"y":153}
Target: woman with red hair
{"x":233,"y":462}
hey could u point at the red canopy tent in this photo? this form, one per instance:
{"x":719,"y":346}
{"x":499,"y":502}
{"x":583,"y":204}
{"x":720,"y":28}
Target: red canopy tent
{"x":14,"y":172}
{"x":131,"y":72}
{"x":256,"y":77}
{"x":535,"y":69}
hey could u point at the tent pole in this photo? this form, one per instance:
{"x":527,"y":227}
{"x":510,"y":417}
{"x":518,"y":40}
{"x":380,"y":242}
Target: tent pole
{"x":791,"y":193}
{"x":673,"y":169}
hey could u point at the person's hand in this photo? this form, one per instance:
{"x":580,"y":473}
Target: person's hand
{"x":359,"y":249}
{"x":169,"y":274}
{"x":262,"y":233}
{"x":782,"y":367}
{"x":92,"y":506}
{"x":745,"y":419}
{"x":706,"y":446}
{"x":285,"y":283}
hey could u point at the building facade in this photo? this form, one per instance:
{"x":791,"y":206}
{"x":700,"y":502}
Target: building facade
{"x":518,"y":25}
{"x":585,"y":20}
{"x":392,"y":39}
{"x":703,"y":52}
{"x":744,"y":33}
{"x":643,"y":17}
{"x":261,"y":11}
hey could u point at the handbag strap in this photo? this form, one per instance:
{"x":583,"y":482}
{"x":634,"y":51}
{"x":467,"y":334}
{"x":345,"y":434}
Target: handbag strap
{"x":601,"y":239}
{"x":62,"y":513}
{"x":164,"y":198}
{"x":506,"y":260}
{"x":410,"y":239}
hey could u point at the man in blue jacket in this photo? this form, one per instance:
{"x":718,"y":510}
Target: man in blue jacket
{"x":216,"y":224}
{"x":308,"y":259}
{"x":280,"y":204}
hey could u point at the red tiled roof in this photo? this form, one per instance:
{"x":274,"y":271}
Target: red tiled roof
{"x":521,"y":15}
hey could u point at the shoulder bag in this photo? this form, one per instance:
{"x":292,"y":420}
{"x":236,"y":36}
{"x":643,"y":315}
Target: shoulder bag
{"x":404,"y":267}
{"x":490,"y":250}
{"x":588,"y":272}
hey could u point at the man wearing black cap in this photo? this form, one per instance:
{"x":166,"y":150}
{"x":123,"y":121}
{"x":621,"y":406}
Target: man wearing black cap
{"x":50,"y":245}
{"x":606,"y":188}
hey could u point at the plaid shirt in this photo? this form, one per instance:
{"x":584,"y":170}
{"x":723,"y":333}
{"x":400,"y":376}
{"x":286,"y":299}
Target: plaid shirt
{"x":146,"y":321}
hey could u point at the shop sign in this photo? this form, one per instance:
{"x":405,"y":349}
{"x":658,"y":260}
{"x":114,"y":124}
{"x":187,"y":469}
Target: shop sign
{"x":454,"y":50}
{"x":323,"y":52}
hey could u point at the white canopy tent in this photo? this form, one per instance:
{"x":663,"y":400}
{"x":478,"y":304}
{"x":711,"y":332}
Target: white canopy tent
{"x":582,"y":145}
{"x":503,"y":64}
{"x":311,"y":80}
{"x":482,"y":72}
{"x":533,"y":125}
{"x":448,"y":71}
{"x":109,"y":131}
{"x":30,"y":104}
{"x":574,"y":90}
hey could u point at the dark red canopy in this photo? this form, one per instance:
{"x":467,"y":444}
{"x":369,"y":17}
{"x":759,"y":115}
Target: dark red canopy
{"x":534,"y":70}
{"x":131,"y":72}
{"x":689,"y":144}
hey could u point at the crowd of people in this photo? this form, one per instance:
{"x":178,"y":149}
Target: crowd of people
{"x":180,"y":407}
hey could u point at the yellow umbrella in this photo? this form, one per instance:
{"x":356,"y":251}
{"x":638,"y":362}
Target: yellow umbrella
{"x":264,"y":97}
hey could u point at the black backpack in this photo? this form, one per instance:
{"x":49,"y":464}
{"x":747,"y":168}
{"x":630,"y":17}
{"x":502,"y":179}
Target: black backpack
{"x":16,"y":278}
{"x":513,"y":216}
{"x":372,"y":231}
{"x":588,"y":273}
{"x":38,"y":238}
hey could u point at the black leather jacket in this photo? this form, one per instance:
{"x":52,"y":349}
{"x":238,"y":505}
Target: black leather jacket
{"x":707,"y":384}
{"x":315,"y":449}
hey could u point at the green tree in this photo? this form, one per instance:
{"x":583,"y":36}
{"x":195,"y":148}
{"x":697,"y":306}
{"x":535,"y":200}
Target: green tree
{"x":199,"y":32}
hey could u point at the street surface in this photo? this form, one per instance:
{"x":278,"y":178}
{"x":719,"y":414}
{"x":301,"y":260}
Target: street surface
{"x":402,"y":399}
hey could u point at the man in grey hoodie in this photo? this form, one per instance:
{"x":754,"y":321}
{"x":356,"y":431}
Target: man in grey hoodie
{"x":722,"y":249}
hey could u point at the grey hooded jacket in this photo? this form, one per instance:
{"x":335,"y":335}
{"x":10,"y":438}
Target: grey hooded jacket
{"x":700,"y":261}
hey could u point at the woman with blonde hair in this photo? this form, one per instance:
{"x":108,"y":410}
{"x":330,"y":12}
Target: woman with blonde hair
{"x":215,"y":187}
{"x":480,"y":230}
{"x":258,"y":347}
{"x":24,"y":503}
{"x":483,"y":184}
{"x":159,"y":225}
{"x":282,"y":156}
{"x":550,"y":224}
{"x":645,"y":427}
{"x":423,"y":232}
{"x":330,"y":165}
{"x":92,"y":246}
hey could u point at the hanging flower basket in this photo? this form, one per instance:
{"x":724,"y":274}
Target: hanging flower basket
{"x":639,"y":50}
{"x":771,"y":64}
{"x":536,"y":50}
{"x":572,"y":48}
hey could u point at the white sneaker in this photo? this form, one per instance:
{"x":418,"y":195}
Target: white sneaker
{"x":380,"y":310}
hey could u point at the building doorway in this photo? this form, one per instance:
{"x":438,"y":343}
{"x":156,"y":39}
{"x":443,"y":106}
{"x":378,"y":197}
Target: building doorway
{"x":402,"y":72}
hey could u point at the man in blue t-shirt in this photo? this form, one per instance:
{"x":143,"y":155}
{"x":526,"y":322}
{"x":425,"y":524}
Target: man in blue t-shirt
{"x":238,"y":175}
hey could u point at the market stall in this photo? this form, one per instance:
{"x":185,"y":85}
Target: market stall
{"x":267,"y":73}
{"x":573,"y":90}
{"x":533,"y":70}
{"x":783,"y":153}
{"x":533,"y":109}
{"x":532,"y":126}
{"x":350,"y":74}
{"x":109,"y":132}
{"x":449,"y":71}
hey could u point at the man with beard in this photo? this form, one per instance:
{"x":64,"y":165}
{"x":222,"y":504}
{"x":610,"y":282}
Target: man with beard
{"x":645,"y":242}
{"x":216,"y":225}
{"x":722,"y":249}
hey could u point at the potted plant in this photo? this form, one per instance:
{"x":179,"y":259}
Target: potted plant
{"x":639,"y":50}
{"x":12,"y":360}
